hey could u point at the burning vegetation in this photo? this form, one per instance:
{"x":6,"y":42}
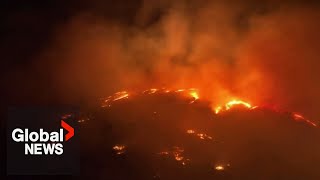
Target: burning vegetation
{"x":173,"y":133}
{"x":193,"y":95}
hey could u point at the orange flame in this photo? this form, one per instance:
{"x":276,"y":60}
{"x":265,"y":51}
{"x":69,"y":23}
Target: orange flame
{"x":119,"y":149}
{"x":219,"y":168}
{"x":299,"y":117}
{"x":121,"y":95}
{"x":193,"y":93}
{"x":202,"y":136}
{"x":229,"y":105}
{"x":177,"y":154}
{"x":237,"y":102}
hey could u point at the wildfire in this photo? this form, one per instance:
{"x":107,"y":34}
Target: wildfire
{"x":229,"y":105}
{"x":150,"y":91}
{"x":217,"y":109}
{"x":299,"y":117}
{"x":237,"y":102}
{"x":202,"y":136}
{"x":219,"y":168}
{"x":179,"y":90}
{"x":190,"y":131}
{"x":193,"y":94}
{"x":121,"y":95}
{"x":119,"y":149}
{"x":116,"y":97}
{"x":177,"y":154}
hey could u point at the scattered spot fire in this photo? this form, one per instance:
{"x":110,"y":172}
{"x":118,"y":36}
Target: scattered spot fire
{"x":117,"y":96}
{"x":177,"y":153}
{"x":119,"y":149}
{"x":202,"y":136}
{"x":299,"y":117}
{"x":190,"y":93}
{"x":221,"y":167}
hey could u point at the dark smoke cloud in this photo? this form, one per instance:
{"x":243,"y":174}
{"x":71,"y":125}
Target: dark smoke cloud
{"x":265,"y":52}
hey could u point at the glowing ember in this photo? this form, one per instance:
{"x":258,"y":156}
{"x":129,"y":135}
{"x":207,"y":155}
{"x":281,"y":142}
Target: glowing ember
{"x":180,"y":90}
{"x":117,"y":96}
{"x":150,"y":91}
{"x":190,"y":131}
{"x":204,"y":136}
{"x":164,"y":153}
{"x":178,"y":157}
{"x":66,"y":116}
{"x":299,"y":117}
{"x":200,"y":135}
{"x":177,"y":154}
{"x":121,"y":95}
{"x":81,"y":120}
{"x":119,"y":149}
{"x":219,"y":168}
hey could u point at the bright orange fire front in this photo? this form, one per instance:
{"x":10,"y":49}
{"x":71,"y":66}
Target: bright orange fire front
{"x":194,"y":95}
{"x":229,"y":105}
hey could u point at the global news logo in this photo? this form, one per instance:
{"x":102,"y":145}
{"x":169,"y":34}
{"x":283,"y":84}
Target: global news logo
{"x":42,"y":142}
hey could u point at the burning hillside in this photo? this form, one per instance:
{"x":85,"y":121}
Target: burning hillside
{"x":175,"y":134}
{"x":193,"y":95}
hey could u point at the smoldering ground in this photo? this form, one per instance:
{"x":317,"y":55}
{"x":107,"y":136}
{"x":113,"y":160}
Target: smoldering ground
{"x":163,"y":136}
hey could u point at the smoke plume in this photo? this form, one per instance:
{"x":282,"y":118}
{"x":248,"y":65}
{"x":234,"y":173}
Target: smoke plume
{"x":263,"y":52}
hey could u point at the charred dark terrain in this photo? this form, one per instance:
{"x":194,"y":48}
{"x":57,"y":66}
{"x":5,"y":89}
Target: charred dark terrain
{"x":163,"y":136}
